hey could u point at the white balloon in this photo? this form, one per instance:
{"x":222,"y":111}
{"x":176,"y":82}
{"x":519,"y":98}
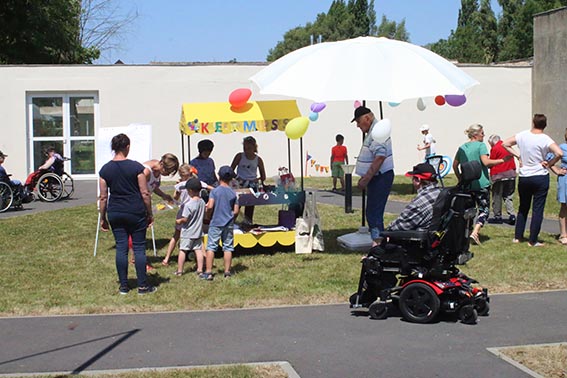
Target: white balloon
{"x":381,"y":130}
{"x":420,"y":104}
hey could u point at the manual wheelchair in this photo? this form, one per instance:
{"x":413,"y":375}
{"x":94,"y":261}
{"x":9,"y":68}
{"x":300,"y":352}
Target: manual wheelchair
{"x":13,"y":195}
{"x":51,"y":184}
{"x":417,"y":269}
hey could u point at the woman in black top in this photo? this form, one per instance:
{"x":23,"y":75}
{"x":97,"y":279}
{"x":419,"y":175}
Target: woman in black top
{"x":129,"y":211}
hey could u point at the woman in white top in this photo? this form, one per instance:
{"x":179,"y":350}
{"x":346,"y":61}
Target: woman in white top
{"x":247,"y":165}
{"x":533,"y":182}
{"x":154,"y":169}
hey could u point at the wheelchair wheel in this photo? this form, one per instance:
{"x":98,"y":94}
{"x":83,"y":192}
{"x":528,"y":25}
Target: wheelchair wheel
{"x":378,"y":310}
{"x":468,"y":314}
{"x":50,"y":187}
{"x":6,"y":197}
{"x":419,"y":303}
{"x":68,"y":185}
{"x":482,"y":307}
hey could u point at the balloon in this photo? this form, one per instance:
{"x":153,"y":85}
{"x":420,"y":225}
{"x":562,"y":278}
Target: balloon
{"x":297,"y":127}
{"x":381,"y":130}
{"x":316,"y":107}
{"x":239,"y":97}
{"x":420,"y":104}
{"x":440,"y":100}
{"x":357,"y":104}
{"x":314,"y":116}
{"x":455,"y":100}
{"x":393,"y":104}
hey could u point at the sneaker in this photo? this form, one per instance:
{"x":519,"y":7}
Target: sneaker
{"x":227,"y":274}
{"x":147,"y":290}
{"x":512,"y":220}
{"x":123,"y":290}
{"x":495,"y":220}
{"x":206,"y":276}
{"x":536,"y":244}
{"x":515,"y":240}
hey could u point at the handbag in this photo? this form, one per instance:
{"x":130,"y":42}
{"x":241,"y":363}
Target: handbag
{"x":308,"y":230}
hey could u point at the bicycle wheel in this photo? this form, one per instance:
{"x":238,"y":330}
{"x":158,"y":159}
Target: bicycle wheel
{"x":50,"y":187}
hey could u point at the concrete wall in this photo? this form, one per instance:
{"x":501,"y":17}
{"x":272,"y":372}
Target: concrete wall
{"x":550,"y":68}
{"x":154,"y":94}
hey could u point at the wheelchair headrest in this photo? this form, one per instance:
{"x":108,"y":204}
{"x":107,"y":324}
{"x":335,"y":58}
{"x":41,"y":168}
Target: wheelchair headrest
{"x":470,"y":171}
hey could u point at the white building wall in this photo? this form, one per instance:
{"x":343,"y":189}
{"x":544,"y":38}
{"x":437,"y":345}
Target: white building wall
{"x":154,"y":94}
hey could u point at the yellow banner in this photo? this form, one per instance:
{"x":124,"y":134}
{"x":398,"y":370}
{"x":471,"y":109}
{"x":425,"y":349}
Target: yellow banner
{"x":221,"y":117}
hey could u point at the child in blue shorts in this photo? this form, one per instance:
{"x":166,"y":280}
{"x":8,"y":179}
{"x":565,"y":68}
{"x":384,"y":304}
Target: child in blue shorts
{"x":222,"y":202}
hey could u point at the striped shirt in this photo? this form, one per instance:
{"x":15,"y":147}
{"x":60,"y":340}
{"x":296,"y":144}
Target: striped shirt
{"x":370,"y":150}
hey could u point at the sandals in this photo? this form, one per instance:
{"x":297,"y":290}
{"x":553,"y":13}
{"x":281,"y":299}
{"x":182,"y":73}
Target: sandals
{"x":165,"y":263}
{"x":563,"y":240}
{"x":177,"y":273}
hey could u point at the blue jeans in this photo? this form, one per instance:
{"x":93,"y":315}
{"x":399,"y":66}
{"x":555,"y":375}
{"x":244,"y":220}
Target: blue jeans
{"x":378,"y":190}
{"x":536,"y":188}
{"x":125,"y":225}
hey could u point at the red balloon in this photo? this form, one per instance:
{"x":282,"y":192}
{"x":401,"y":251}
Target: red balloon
{"x":440,"y":100}
{"x":239,"y":97}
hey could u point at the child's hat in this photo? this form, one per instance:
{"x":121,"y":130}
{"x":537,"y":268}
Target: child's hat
{"x":193,"y":184}
{"x":2,"y":155}
{"x":424,"y":127}
{"x":226,"y":173}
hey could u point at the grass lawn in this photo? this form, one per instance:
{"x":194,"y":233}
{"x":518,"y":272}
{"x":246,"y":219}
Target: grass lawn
{"x":50,"y":268}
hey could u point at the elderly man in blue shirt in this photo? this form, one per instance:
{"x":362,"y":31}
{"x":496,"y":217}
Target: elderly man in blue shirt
{"x":375,"y":166}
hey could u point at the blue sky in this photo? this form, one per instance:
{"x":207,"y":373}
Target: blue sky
{"x":245,"y":30}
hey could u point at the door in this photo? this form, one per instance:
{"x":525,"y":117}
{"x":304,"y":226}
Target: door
{"x":67,"y":122}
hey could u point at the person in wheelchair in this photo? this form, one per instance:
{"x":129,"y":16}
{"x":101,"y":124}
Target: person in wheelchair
{"x":53,"y":163}
{"x":418,"y":214}
{"x":16,"y":185}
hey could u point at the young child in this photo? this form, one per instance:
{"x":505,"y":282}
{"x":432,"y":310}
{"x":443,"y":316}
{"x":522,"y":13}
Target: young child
{"x":181,"y":196}
{"x":191,"y":223}
{"x":339,"y":157}
{"x":53,"y":162}
{"x":204,"y":164}
{"x":428,"y":142}
{"x":225,"y":208}
{"x":247,"y":165}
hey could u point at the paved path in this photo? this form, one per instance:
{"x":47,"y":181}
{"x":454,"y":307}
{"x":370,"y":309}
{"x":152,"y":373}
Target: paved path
{"x":318,"y":341}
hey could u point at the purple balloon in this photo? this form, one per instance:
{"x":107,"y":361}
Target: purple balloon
{"x":455,"y":100}
{"x":316,"y":107}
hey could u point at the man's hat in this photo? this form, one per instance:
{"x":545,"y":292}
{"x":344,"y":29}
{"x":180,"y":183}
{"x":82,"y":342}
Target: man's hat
{"x":2,"y":155}
{"x":424,"y":127}
{"x":360,"y":111}
{"x":193,"y":184}
{"x":423,"y":171}
{"x":226,"y":173}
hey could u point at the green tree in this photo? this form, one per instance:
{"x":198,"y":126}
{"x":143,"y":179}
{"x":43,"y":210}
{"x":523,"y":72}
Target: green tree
{"x":344,"y":20}
{"x":392,"y":29}
{"x":42,"y":32}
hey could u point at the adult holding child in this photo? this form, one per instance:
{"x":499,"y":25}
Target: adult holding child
{"x":533,"y":181}
{"x":475,"y":149}
{"x":128,"y":211}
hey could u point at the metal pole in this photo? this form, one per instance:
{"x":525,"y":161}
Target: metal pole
{"x":348,"y":193}
{"x":301,"y":154}
{"x":182,"y":149}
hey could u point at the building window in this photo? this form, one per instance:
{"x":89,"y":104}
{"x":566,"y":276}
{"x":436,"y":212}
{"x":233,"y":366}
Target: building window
{"x":66,"y":121}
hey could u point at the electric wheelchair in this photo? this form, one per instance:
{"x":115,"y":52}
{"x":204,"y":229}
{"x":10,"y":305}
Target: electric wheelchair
{"x":417,"y":269}
{"x":51,"y":184}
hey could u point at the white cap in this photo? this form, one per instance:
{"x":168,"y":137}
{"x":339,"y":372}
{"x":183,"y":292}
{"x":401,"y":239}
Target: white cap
{"x":424,"y":127}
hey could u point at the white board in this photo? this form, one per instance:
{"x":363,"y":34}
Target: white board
{"x":140,"y":143}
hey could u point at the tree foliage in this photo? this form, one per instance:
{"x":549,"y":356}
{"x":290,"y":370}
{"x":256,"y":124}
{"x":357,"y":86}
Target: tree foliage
{"x":42,"y":32}
{"x":344,"y":20}
{"x":59,"y":31}
{"x":481,"y":38}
